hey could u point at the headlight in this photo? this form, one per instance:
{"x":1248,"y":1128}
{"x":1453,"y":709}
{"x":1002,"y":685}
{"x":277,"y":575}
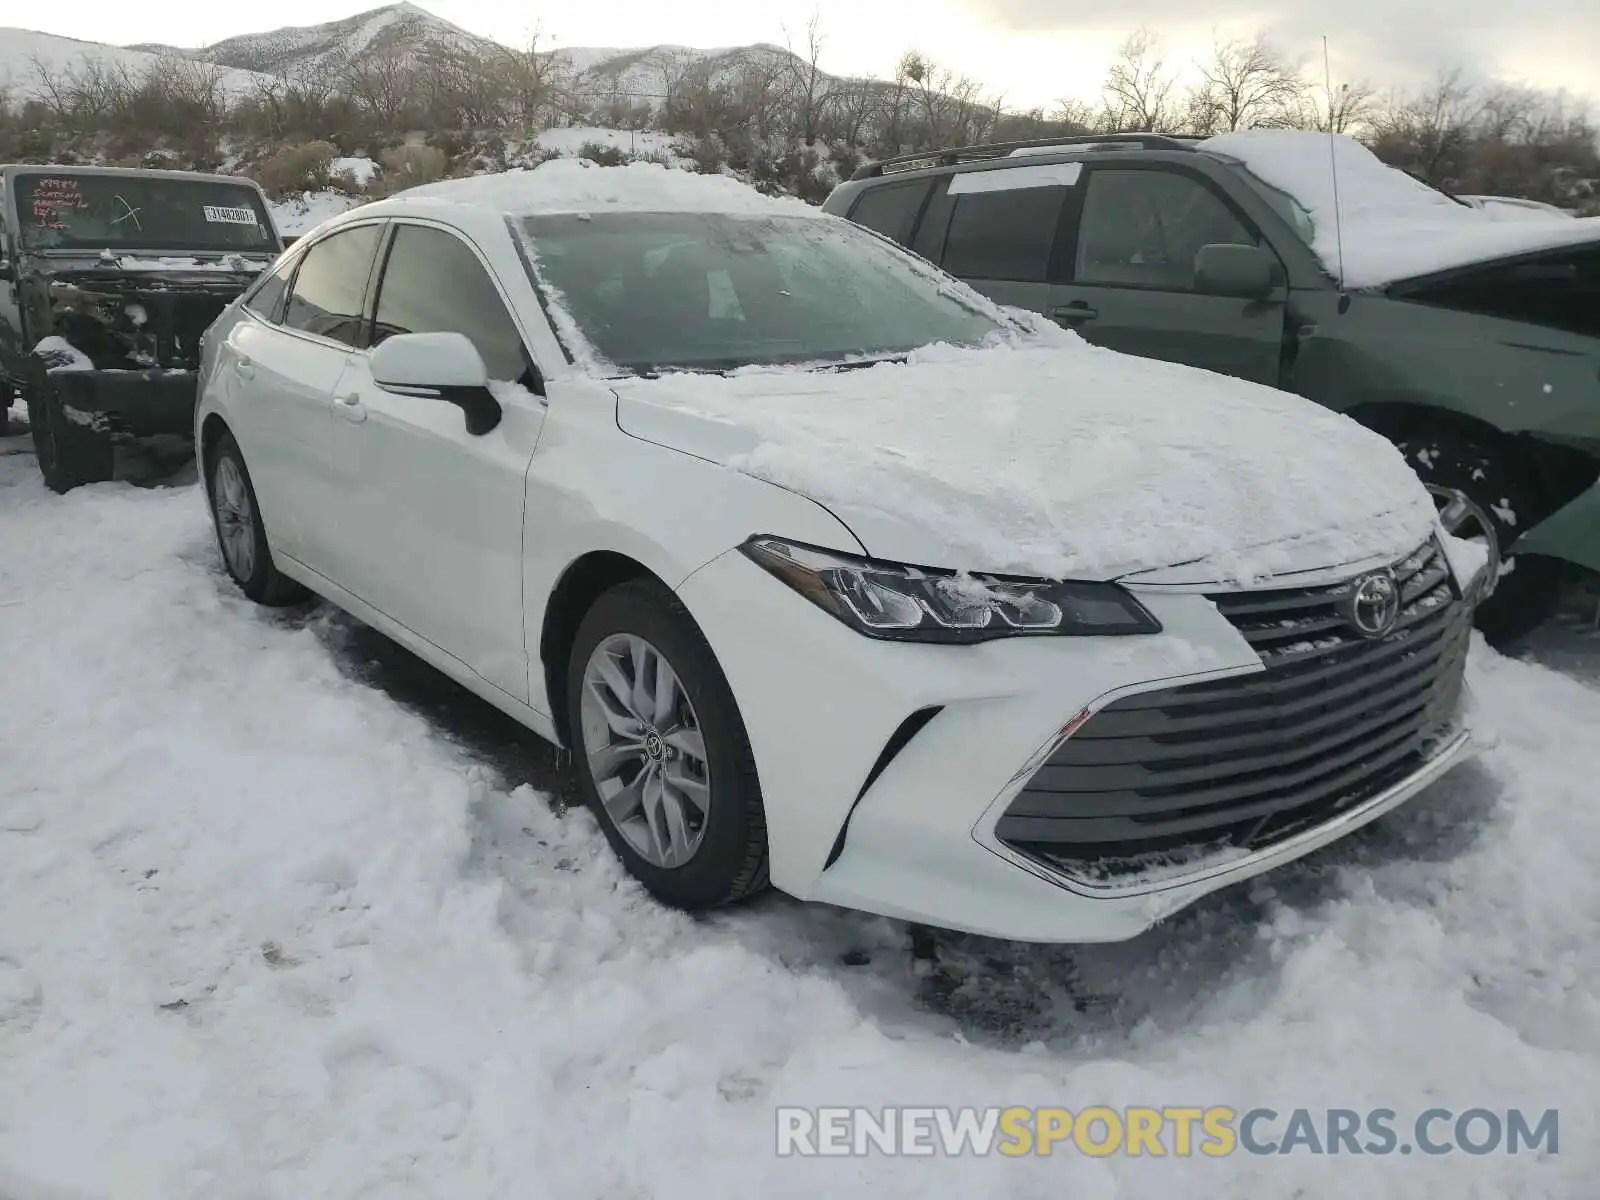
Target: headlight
{"x":903,"y":603}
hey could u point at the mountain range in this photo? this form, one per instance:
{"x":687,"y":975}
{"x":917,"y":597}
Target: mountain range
{"x":403,"y":28}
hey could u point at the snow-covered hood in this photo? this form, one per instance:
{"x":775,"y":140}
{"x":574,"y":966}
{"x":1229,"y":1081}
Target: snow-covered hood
{"x":1053,"y":458}
{"x":1381,"y":226}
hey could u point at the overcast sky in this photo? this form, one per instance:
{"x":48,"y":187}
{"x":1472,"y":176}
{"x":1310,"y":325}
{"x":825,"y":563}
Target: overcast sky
{"x":1033,"y":51}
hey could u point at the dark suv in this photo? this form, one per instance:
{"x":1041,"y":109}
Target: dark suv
{"x":108,"y":280}
{"x":1484,"y":369}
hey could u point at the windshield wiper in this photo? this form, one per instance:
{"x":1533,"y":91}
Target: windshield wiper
{"x":856,"y":364}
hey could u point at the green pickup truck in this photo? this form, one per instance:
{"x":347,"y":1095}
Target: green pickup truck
{"x":1301,"y":261}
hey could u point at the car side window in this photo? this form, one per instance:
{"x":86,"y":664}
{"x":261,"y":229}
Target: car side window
{"x":1004,"y":235}
{"x":432,"y":283}
{"x":1144,"y":229}
{"x":331,"y":286}
{"x":891,"y":209}
{"x":267,"y":299}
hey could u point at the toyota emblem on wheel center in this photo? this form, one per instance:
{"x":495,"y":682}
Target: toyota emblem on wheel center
{"x":1374,"y":604}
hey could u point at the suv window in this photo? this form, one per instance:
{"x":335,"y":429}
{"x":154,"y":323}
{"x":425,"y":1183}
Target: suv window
{"x":1560,"y":291}
{"x":1144,"y":229}
{"x":331,"y":285}
{"x":892,"y":209}
{"x":432,"y":283}
{"x":267,"y":299}
{"x":1004,"y":235}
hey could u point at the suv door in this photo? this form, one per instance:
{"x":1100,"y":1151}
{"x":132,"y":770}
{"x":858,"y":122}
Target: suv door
{"x":431,"y":515}
{"x":1129,"y":281}
{"x":277,"y":368}
{"x":998,"y":230}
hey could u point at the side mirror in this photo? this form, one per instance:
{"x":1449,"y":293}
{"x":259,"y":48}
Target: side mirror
{"x":1242,"y":272}
{"x":442,"y":365}
{"x":7,"y":271}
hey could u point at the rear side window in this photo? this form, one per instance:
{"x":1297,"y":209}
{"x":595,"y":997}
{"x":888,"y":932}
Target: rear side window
{"x":331,"y":286}
{"x":891,"y":209}
{"x":432,"y":283}
{"x":1004,"y":235}
{"x":1559,"y":291}
{"x":1145,"y":228}
{"x":267,"y":300}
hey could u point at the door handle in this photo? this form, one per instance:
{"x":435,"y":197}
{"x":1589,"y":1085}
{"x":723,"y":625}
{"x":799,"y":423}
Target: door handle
{"x":1075,"y":313}
{"x":350,"y":408}
{"x":244,"y":367}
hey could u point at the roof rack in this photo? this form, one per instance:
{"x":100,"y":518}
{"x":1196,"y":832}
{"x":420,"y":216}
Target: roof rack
{"x":921,"y":160}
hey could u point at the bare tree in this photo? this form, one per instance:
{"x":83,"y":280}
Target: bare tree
{"x":1245,"y":83}
{"x":1138,"y":87}
{"x":539,"y":85}
{"x":1347,"y":108}
{"x":1432,"y":128}
{"x":810,"y":84}
{"x":383,"y":84}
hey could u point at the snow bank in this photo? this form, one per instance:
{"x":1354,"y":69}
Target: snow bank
{"x":266,"y":933}
{"x":1058,"y":459}
{"x":577,"y":185}
{"x":1393,"y":227}
{"x":360,"y":169}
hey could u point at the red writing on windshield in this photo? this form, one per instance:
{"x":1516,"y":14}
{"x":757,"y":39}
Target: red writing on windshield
{"x":53,"y":199}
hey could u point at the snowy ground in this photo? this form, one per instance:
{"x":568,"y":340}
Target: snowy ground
{"x":283,"y":914}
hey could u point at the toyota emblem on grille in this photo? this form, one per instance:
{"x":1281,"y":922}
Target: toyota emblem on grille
{"x":1374,"y":604}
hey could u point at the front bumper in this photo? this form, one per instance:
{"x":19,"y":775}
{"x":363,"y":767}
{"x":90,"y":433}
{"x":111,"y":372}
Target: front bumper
{"x":861,"y":817}
{"x":137,"y":403}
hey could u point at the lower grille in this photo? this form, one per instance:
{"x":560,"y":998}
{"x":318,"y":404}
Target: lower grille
{"x":1241,"y":764}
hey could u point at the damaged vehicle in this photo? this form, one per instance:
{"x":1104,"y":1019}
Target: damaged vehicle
{"x":109,"y":279}
{"x":1302,"y":261}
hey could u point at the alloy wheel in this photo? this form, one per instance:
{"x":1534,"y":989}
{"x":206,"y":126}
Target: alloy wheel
{"x":644,"y":748}
{"x":236,"y":518}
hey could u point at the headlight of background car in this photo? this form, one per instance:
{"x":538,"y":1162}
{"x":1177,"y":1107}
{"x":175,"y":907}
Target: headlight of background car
{"x":903,"y":603}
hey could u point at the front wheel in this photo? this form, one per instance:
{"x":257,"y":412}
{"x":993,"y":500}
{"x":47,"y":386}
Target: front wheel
{"x":1483,"y":495}
{"x":241,"y":535}
{"x":70,"y":453}
{"x":662,"y":755}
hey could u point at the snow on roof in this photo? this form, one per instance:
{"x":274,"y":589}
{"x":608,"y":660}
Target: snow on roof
{"x":1392,"y":226}
{"x":578,"y":185}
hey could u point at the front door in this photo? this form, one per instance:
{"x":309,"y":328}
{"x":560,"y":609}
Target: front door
{"x":431,"y":516}
{"x":1130,"y":284}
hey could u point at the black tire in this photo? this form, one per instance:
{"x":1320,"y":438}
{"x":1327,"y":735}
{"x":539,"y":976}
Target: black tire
{"x":731,"y":861}
{"x":1498,"y":487}
{"x":69,"y":454}
{"x":261,"y":581}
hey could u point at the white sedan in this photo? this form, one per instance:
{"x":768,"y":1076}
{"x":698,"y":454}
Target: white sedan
{"x":826,"y":570}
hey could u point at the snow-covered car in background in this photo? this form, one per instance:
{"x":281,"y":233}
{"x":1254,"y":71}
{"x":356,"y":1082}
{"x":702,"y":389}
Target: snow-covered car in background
{"x":108,"y":279}
{"x":828,"y":571}
{"x":1302,"y":261}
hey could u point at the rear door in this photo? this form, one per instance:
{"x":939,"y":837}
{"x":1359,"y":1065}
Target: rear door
{"x":430,"y":517}
{"x":999,"y":230}
{"x":1127,"y":281}
{"x":278,"y":365}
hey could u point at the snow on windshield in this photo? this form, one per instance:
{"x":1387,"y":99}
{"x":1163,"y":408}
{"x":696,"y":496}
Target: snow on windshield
{"x":1393,"y":227}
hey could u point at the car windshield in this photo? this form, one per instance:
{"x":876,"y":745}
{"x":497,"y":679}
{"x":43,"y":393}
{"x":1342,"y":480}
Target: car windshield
{"x":700,"y":291}
{"x":1291,"y":210}
{"x":72,"y":211}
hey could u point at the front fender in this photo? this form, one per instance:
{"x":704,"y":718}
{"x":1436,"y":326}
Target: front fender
{"x":1572,"y":532}
{"x":592,"y":487}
